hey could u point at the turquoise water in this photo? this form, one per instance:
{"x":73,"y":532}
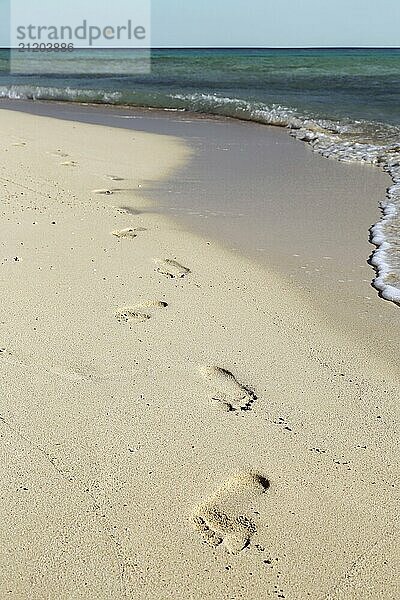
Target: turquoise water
{"x":330,"y":84}
{"x":345,"y":103}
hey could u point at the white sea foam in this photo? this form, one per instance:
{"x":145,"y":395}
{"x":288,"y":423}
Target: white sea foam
{"x":370,"y":143}
{"x":28,"y":92}
{"x":385,"y":234}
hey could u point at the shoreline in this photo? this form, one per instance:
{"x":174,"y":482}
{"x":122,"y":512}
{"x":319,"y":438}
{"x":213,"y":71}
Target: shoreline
{"x":115,"y":417}
{"x":379,"y":231}
{"x":337,"y":125}
{"x":319,"y":245}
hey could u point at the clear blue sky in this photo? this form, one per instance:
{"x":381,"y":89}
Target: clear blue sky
{"x":267,"y":22}
{"x":276,"y":23}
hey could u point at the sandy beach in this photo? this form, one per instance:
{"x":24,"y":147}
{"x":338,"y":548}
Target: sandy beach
{"x":178,"y":420}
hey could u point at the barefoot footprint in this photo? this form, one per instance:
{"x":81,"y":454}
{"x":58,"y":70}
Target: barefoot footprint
{"x":128,"y":210}
{"x":136,"y":314}
{"x":103,"y":191}
{"x":128,"y":232}
{"x":59,"y":154}
{"x":126,"y":315}
{"x":220,"y":520}
{"x":114,"y":177}
{"x":227,"y":389}
{"x":171,"y":268}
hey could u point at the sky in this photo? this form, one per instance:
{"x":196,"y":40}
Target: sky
{"x":270,"y":23}
{"x":274,"y":23}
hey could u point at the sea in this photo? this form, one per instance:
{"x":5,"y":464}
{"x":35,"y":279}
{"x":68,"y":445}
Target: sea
{"x":344,"y":103}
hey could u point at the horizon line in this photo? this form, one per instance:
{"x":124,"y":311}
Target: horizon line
{"x":275,"y":48}
{"x":233,"y":48}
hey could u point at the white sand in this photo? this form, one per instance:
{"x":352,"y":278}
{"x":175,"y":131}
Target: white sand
{"x":115,"y":433}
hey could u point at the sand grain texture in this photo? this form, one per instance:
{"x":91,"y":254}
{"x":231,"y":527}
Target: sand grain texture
{"x":108,"y":444}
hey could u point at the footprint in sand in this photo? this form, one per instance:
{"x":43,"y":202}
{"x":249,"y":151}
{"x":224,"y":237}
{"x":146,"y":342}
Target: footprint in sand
{"x":128,"y":232}
{"x":136,"y":313}
{"x":104,"y":191}
{"x":114,"y":177}
{"x":110,"y":191}
{"x":227,"y":390}
{"x":220,"y":520}
{"x":69,"y":163}
{"x":171,"y":268}
{"x":59,"y":154}
{"x":128,"y":210}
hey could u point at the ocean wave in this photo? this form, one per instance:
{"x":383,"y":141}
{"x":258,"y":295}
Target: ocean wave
{"x":28,"y":92}
{"x":359,"y":141}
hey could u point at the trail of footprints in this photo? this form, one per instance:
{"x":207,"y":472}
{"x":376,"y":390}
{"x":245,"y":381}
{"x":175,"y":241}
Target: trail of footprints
{"x":222,"y":519}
